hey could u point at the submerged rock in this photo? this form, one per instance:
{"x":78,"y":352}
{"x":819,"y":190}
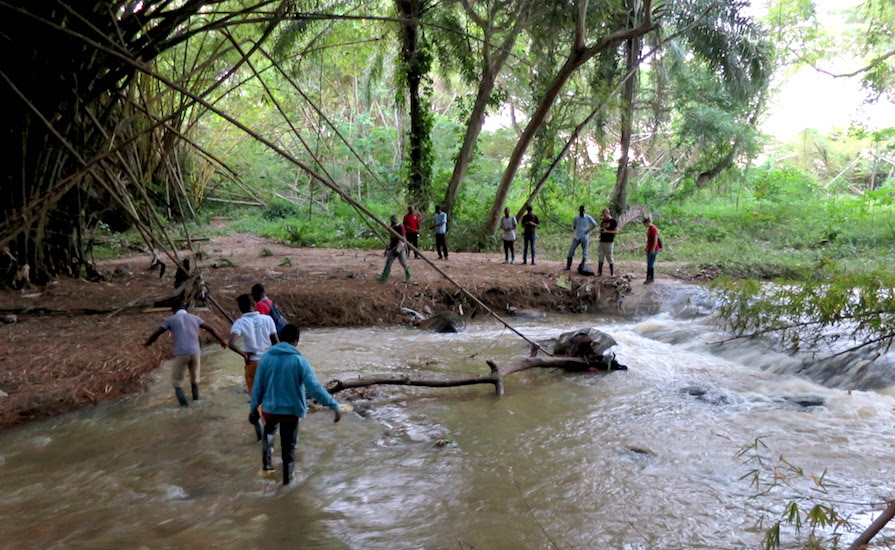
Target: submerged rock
{"x":706,"y":395}
{"x":443,"y":323}
{"x":585,"y":341}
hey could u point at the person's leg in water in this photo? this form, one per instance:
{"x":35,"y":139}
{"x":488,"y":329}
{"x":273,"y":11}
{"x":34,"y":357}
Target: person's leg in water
{"x":178,"y":370}
{"x":288,"y":438}
{"x":270,"y":427}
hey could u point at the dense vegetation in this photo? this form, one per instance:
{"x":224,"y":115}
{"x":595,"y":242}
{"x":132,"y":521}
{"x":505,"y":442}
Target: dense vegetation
{"x":302,"y":119}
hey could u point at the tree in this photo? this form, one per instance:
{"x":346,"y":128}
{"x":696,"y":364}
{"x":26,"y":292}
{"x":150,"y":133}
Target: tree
{"x":493,"y":56}
{"x":579,"y":54}
{"x":64,"y":76}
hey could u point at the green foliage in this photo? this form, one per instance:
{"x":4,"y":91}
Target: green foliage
{"x":805,"y":499}
{"x":279,"y":209}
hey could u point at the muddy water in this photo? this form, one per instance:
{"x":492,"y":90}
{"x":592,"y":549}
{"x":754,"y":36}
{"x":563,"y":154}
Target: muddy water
{"x":622,"y":460}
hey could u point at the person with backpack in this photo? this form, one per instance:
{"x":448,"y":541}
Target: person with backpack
{"x":265,"y":306}
{"x":653,"y":246}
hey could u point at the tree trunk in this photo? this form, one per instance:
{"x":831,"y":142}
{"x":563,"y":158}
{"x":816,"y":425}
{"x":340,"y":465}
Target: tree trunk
{"x":573,"y":61}
{"x":578,"y":56}
{"x":416,"y":66}
{"x":633,"y":49}
{"x":473,"y":129}
{"x":490,"y":69}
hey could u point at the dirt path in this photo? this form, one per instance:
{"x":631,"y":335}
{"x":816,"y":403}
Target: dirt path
{"x":77,"y":342}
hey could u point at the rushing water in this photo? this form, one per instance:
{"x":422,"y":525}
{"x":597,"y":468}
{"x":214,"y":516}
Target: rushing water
{"x":639,"y":459}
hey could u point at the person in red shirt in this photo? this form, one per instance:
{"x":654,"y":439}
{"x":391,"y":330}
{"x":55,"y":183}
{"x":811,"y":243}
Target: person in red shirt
{"x":653,"y":245}
{"x":411,"y":225}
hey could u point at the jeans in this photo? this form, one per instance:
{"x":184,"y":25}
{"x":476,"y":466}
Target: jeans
{"x":651,"y":259}
{"x":583,"y":241}
{"x":528,"y":240}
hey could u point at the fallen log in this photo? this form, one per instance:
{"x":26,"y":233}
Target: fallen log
{"x":495,"y":378}
{"x":571,"y":364}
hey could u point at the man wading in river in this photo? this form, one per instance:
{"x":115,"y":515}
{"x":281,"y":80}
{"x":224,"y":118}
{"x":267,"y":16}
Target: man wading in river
{"x":258,"y":333}
{"x":184,"y":328}
{"x":281,"y":380}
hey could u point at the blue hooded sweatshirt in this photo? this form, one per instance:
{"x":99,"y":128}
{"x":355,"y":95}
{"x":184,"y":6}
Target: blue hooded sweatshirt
{"x":282,"y":377}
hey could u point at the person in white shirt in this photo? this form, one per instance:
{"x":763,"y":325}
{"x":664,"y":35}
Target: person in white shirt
{"x":508,"y":224}
{"x":439,"y":224}
{"x":258,"y":333}
{"x":582,"y":224}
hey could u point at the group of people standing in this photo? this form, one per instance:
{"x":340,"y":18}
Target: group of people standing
{"x":277,"y":375}
{"x":409,"y":228}
{"x":582,"y":225}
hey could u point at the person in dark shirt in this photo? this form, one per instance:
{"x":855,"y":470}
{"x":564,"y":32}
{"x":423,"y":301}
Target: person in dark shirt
{"x":608,"y":230}
{"x":411,"y":224}
{"x":395,"y":249}
{"x":530,"y":224}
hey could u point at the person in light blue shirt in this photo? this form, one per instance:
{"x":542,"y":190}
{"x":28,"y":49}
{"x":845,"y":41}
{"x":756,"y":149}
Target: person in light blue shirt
{"x":582,"y":224}
{"x":439,"y":223}
{"x":281,"y":380}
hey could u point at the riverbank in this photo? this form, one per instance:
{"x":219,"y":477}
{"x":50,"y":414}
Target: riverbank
{"x":76,"y":343}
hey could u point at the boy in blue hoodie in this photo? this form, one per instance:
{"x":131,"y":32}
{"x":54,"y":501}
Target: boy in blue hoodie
{"x":281,"y":380}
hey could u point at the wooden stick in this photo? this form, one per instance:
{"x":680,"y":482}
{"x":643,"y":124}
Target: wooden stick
{"x":875,"y":527}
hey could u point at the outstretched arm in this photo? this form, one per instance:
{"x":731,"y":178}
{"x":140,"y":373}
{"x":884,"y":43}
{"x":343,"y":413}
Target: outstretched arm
{"x":154,"y":336}
{"x":316,"y":390}
{"x":214,"y":333}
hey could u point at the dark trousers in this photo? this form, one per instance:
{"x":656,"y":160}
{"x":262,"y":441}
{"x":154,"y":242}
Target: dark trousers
{"x":288,"y":436}
{"x":528,"y":241}
{"x":414,"y":239}
{"x":441,"y":245}
{"x":509,"y":250}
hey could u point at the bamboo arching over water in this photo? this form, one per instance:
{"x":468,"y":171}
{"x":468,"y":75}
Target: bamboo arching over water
{"x":143,"y":68}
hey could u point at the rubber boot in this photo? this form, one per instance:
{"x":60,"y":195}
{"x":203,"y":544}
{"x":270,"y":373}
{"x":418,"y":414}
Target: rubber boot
{"x":612,"y":270}
{"x":267,"y":453}
{"x":181,"y":397}
{"x":288,"y":468}
{"x":385,"y":273}
{"x":600,"y":269}
{"x":649,"y":276}
{"x":195,"y":388}
{"x":568,"y":264}
{"x":407,"y":274}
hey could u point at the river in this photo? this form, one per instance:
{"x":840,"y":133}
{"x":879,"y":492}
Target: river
{"x":644,"y":458}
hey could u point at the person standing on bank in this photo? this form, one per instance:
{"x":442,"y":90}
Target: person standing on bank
{"x":282,"y":379}
{"x":653,"y":246}
{"x":530,"y":224}
{"x":411,"y":224}
{"x":395,"y":249}
{"x":184,"y":329}
{"x":508,"y":224}
{"x":439,"y":223}
{"x":582,"y":224}
{"x":608,"y":231}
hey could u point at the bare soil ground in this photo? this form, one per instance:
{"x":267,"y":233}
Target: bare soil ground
{"x":77,"y":342}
